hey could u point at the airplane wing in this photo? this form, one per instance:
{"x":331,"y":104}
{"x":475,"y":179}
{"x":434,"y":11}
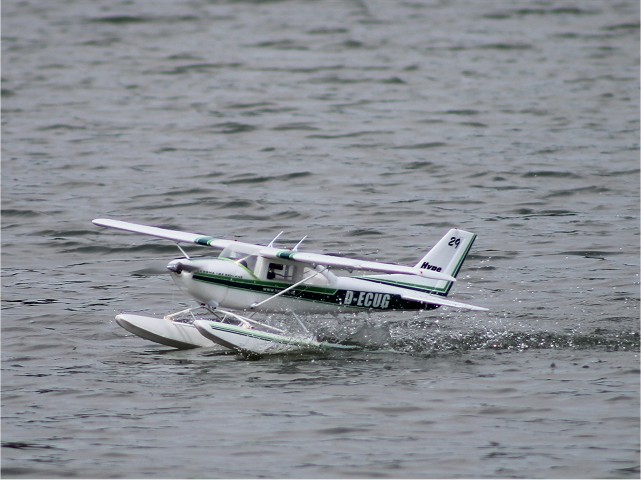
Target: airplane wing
{"x":438,"y":300}
{"x":174,"y":235}
{"x":303,"y":257}
{"x":352,"y":264}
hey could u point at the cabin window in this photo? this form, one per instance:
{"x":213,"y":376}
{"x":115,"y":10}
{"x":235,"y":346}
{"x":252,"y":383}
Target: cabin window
{"x":248,"y":261}
{"x":280,"y":272}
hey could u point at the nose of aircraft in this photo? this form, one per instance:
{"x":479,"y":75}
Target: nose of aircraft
{"x":181,"y":265}
{"x":175,"y":266}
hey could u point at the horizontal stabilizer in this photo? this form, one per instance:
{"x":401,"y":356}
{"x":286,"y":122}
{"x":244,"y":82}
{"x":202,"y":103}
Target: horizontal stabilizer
{"x":439,"y":300}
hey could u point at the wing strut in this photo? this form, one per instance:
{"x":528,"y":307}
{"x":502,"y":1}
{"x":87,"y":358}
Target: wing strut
{"x":291,"y":287}
{"x":183,"y":252}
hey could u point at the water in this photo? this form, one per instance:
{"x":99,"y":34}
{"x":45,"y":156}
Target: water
{"x":372,"y":127}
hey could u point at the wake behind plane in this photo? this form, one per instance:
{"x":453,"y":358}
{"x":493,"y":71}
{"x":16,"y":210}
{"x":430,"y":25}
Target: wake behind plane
{"x":251,"y":278}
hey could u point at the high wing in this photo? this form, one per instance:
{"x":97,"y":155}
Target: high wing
{"x":274,"y":253}
{"x":351,"y":264}
{"x":438,"y":300}
{"x":174,"y":235}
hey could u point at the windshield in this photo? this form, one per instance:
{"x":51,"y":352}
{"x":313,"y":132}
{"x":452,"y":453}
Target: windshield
{"x":246,"y":259}
{"x":233,"y":253}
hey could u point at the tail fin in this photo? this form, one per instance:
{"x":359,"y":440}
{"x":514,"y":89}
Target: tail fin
{"x":447,"y":256}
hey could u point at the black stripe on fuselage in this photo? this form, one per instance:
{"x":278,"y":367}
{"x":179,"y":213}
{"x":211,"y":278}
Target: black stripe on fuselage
{"x":354,"y":299}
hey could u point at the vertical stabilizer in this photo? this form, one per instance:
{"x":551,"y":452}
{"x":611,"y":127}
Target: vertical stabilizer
{"x":446,"y":256}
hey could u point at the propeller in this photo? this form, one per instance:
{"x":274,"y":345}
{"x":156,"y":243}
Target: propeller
{"x":179,"y":266}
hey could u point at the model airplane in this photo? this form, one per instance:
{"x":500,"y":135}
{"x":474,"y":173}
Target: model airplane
{"x":258,"y":278}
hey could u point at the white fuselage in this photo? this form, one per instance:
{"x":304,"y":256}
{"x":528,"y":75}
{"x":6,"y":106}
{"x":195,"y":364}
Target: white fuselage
{"x":243,"y":284}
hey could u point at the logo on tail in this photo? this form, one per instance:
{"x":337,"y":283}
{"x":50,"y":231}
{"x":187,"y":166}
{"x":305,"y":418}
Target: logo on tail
{"x":427,"y":266}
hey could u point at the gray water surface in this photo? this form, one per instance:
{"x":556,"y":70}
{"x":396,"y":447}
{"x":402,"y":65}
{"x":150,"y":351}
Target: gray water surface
{"x":371,"y":127}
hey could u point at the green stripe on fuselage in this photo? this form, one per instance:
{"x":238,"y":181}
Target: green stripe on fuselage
{"x":409,"y":286}
{"x":308,"y":293}
{"x":305,"y":292}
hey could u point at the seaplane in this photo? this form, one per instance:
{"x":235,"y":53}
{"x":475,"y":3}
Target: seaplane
{"x":246,"y":279}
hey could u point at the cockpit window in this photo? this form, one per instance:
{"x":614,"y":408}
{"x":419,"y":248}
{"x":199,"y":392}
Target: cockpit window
{"x":248,"y":261}
{"x":278,"y":271}
{"x":245,"y":259}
